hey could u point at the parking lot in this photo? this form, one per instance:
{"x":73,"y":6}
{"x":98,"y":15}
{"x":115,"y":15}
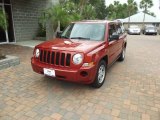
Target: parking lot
{"x":131,"y":90}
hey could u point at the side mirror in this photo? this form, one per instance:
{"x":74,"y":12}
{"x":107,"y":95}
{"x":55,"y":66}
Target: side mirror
{"x":114,"y":36}
{"x":59,"y":33}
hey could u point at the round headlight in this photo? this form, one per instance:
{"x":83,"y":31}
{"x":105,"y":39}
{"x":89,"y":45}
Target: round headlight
{"x":37,"y":53}
{"x":77,"y":59}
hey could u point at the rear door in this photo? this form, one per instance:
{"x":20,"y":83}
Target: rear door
{"x":120,"y":41}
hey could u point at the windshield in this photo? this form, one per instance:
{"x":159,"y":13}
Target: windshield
{"x":88,"y":31}
{"x":134,"y":27}
{"x":151,"y":28}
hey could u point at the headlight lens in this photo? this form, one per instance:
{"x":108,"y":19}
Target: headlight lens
{"x":77,"y":59}
{"x":37,"y":53}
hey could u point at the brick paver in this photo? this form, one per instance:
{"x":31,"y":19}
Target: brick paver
{"x":131,"y":90}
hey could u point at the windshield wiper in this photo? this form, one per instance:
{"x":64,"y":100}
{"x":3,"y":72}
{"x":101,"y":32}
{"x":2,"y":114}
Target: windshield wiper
{"x":79,"y":38}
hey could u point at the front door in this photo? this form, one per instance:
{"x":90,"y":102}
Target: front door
{"x":8,"y":35}
{"x":113,"y":43}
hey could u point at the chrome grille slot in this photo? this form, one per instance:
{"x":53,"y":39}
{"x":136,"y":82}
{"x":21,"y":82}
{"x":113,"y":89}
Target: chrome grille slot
{"x":57,"y":58}
{"x":62,"y":59}
{"x":44,"y":56}
{"x":68,"y":59}
{"x":52,"y":58}
{"x":48,"y":57}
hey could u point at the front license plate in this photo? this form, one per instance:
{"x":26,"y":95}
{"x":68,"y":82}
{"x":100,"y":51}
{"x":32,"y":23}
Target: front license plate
{"x":151,"y":30}
{"x":49,"y":72}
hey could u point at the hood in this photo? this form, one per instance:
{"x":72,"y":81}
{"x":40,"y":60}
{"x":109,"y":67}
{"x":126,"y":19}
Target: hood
{"x":134,"y":29}
{"x":71,"y":45}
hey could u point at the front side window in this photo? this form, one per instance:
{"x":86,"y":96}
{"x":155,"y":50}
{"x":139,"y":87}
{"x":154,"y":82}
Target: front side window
{"x":88,"y":31}
{"x":112,"y":30}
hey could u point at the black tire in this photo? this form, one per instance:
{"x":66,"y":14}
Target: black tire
{"x":98,"y":82}
{"x":122,"y":55}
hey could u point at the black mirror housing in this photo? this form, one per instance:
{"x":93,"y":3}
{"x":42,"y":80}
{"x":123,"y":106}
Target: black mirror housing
{"x":59,"y":33}
{"x":114,"y":37}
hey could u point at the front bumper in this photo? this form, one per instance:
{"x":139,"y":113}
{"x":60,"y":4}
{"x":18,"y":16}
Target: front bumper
{"x":134,"y":33}
{"x":151,"y":32}
{"x":68,"y":74}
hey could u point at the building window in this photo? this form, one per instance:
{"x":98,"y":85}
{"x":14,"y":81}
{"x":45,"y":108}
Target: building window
{"x":156,"y":24}
{"x":7,"y":2}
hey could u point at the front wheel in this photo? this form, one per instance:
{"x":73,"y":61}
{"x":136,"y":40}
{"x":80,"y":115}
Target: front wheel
{"x":100,"y":75}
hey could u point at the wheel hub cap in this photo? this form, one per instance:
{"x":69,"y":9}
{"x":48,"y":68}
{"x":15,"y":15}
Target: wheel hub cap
{"x":123,"y":54}
{"x":101,"y":73}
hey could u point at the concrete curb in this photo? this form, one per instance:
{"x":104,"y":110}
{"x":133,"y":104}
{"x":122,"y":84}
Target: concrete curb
{"x":9,"y":61}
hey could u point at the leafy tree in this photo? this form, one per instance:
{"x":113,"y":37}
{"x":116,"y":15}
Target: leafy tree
{"x":132,"y":7}
{"x":101,"y":10}
{"x":151,"y":13}
{"x":118,"y":10}
{"x":80,"y":4}
{"x":124,"y":14}
{"x":88,"y":12}
{"x":145,"y":4}
{"x":111,"y":12}
{"x":3,"y":20}
{"x":97,"y":5}
{"x":72,"y":11}
{"x":114,"y":10}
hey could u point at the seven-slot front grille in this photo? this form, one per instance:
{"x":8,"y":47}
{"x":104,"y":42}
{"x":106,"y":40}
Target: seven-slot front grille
{"x":55,"y":58}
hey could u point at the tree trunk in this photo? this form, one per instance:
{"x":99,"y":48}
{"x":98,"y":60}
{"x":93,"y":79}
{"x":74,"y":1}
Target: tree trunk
{"x":57,"y":29}
{"x":145,"y":10}
{"x":7,"y":39}
{"x":143,"y":20}
{"x":82,"y":2}
{"x":129,"y":19}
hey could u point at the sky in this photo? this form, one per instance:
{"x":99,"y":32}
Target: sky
{"x":154,"y":9}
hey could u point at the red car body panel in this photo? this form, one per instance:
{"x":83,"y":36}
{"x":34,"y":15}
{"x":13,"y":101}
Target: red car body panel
{"x":92,"y":52}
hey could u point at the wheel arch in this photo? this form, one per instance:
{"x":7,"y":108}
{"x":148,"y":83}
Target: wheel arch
{"x":125,"y":45}
{"x":105,"y":58}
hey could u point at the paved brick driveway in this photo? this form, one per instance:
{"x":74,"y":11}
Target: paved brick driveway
{"x":130,"y":92}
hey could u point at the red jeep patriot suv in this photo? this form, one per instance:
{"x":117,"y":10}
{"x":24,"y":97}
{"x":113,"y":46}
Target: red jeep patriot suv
{"x":82,"y":52}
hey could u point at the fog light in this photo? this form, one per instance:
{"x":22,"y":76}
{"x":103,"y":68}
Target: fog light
{"x":84,"y":73}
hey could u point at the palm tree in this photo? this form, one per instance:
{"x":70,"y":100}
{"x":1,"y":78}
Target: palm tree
{"x":145,"y":4}
{"x":82,"y":4}
{"x":4,"y":23}
{"x":58,"y":16}
{"x":132,"y":5}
